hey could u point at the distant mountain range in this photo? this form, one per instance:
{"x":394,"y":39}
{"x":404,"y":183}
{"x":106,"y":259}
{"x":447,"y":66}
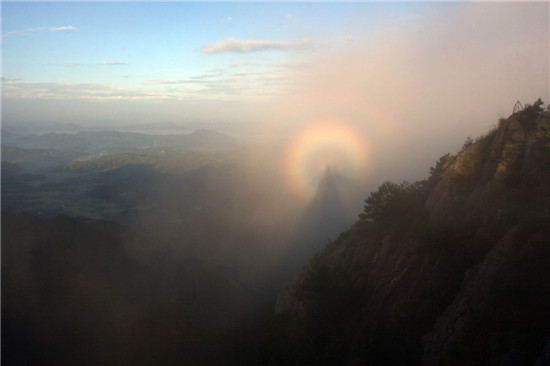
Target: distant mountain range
{"x":116,"y":141}
{"x":158,"y":128}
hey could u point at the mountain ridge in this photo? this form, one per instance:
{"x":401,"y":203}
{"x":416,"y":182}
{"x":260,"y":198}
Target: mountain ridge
{"x":122,"y":141}
{"x":431,"y":272}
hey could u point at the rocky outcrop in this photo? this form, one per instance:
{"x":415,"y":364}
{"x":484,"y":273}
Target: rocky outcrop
{"x":484,"y":293}
{"x":511,"y":191}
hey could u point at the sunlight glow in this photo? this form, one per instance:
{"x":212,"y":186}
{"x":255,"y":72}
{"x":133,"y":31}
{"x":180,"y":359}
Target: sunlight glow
{"x":328,"y":144}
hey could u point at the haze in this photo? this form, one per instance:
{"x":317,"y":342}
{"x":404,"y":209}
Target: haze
{"x":168,"y":167}
{"x":410,"y":80}
{"x":401,"y":71}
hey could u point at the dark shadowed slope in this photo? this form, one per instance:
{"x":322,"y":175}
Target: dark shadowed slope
{"x":94,"y":293}
{"x":328,"y":214}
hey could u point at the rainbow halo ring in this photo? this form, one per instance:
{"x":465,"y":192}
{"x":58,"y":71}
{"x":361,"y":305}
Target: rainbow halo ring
{"x":327,"y":145}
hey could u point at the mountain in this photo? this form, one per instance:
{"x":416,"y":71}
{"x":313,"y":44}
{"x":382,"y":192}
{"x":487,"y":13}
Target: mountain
{"x":452,"y":270}
{"x":42,"y":157}
{"x":40,"y":128}
{"x":117,"y":141}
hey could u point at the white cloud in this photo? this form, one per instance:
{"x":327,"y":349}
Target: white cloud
{"x":52,"y":29}
{"x":14,"y":33}
{"x":18,"y":89}
{"x":246,"y":81}
{"x":63,"y":28}
{"x":38,"y":29}
{"x":232,"y":45}
{"x":231,"y":83}
{"x":165,"y":81}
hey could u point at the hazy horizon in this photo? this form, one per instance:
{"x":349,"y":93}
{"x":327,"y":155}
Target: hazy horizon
{"x":417,"y":77}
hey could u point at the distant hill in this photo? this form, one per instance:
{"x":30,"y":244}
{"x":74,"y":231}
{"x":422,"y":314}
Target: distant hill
{"x":116,"y":141}
{"x":12,"y":154}
{"x":40,"y":128}
{"x":200,"y":140}
{"x":452,"y":270}
{"x":111,"y":162}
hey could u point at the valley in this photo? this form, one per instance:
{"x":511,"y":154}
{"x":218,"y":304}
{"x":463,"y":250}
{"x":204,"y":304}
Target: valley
{"x":197,"y":227}
{"x":145,"y":250}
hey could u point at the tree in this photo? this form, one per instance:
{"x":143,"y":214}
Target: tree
{"x":440,"y":166}
{"x":378,"y":202}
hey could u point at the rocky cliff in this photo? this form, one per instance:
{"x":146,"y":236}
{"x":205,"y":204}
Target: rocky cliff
{"x":453,"y":270}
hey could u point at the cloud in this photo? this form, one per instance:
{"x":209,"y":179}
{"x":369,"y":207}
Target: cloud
{"x":165,"y":81}
{"x":244,"y":81}
{"x":232,"y":45}
{"x":63,"y":28}
{"x":15,"y":34}
{"x":19,"y":89}
{"x":53,"y":29}
{"x":38,"y":29}
{"x":113,"y":64}
{"x":227,"y":84}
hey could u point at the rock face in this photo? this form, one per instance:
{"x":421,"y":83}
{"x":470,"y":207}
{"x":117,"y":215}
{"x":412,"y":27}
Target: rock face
{"x":455,"y":271}
{"x":518,"y":257}
{"x":512,"y":154}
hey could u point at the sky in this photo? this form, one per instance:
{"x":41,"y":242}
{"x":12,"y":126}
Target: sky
{"x":175,"y":58}
{"x":405,"y":74}
{"x":178,"y":50}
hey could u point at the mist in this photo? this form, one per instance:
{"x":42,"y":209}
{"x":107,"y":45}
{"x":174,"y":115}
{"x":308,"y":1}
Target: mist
{"x":420,"y":89}
{"x":421,"y":83}
{"x":208,"y":196}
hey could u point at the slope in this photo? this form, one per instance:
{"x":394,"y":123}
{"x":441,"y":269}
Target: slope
{"x":453,"y":270}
